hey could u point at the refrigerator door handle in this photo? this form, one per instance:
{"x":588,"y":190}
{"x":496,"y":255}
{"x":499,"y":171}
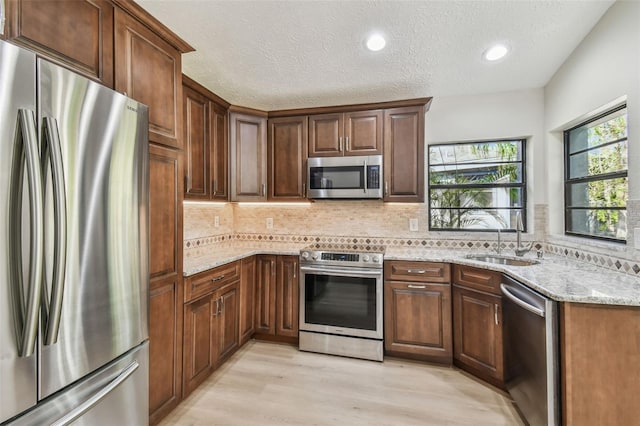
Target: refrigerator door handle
{"x":26,"y":150}
{"x":52,"y":154}
{"x":73,"y":415}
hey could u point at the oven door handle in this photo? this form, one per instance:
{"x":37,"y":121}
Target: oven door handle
{"x":344,"y":272}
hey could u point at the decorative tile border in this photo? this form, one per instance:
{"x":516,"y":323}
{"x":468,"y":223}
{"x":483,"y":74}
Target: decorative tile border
{"x":615,"y":263}
{"x":602,"y":260}
{"x":206,"y":241}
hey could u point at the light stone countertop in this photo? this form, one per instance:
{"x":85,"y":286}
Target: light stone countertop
{"x":560,"y":278}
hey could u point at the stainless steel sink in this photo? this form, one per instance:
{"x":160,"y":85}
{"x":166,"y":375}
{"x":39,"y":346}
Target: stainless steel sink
{"x":501,"y":260}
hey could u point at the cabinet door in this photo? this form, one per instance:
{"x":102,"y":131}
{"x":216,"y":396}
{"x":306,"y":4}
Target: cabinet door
{"x":77,"y":33}
{"x":196,"y":144}
{"x":149,"y":70}
{"x":165,"y":346}
{"x":418,"y":320}
{"x":287,"y":296}
{"x":227,"y":321}
{"x":477,"y":325}
{"x":287,"y":148}
{"x":325,"y":135}
{"x":165,"y":212}
{"x":404,"y":154}
{"x":266,"y":294}
{"x":248,"y":157}
{"x":247,"y":299}
{"x":219,"y":152}
{"x":199,"y":348}
{"x":363,"y":133}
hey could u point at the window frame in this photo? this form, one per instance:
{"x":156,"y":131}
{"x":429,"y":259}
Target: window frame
{"x":568,"y":181}
{"x":522,"y":185}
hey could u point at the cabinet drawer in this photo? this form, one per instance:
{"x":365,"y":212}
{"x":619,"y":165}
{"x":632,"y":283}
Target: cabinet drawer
{"x":417,"y":271}
{"x":211,"y":280}
{"x":477,"y":278}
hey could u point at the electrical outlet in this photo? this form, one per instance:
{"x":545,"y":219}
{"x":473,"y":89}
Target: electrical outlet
{"x":413,"y":225}
{"x":216,"y":221}
{"x":269,"y":223}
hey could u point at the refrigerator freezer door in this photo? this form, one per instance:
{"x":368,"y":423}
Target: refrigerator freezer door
{"x":103,"y":147}
{"x":17,"y":374}
{"x":115,"y":395}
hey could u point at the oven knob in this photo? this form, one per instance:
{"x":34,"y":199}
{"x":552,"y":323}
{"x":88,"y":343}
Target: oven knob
{"x":304,"y":255}
{"x":314,"y":256}
{"x":376,"y":259}
{"x":365,"y":258}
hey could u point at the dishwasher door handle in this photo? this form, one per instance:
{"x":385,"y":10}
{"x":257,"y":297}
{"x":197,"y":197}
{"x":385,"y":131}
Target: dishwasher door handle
{"x":521,"y":303}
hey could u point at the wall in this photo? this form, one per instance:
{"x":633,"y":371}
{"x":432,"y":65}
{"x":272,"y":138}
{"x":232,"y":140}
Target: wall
{"x":602,"y":70}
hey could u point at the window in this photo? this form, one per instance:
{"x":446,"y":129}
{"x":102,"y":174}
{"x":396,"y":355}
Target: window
{"x":477,"y":185}
{"x":596,"y":186}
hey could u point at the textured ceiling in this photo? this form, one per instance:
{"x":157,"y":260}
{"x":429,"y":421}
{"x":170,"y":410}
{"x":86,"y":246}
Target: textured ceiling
{"x":291,"y":54}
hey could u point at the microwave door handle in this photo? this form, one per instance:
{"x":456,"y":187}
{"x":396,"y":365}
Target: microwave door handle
{"x":366,"y":176}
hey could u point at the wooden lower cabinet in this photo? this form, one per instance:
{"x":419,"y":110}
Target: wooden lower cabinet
{"x":287,"y":302}
{"x":165,"y":351}
{"x":418,"y":320}
{"x":211,"y":327}
{"x":198,"y":342}
{"x":417,"y":310}
{"x":247,"y":299}
{"x":600,"y":354}
{"x":277,"y":302}
{"x":477,"y":331}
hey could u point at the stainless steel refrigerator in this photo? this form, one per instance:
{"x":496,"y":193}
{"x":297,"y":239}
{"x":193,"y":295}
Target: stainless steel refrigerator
{"x":73,"y":248}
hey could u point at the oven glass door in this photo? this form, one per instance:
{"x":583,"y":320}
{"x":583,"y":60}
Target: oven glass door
{"x":342,"y":304}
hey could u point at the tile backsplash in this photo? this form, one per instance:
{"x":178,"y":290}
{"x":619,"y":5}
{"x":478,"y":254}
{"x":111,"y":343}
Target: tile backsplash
{"x":375,"y":223}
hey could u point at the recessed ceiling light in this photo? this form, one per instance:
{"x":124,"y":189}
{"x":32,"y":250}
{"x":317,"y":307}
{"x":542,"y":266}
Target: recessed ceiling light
{"x":496,"y":52}
{"x":376,"y":42}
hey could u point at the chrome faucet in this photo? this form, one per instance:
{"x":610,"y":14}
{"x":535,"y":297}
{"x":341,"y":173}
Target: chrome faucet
{"x":499,"y":248}
{"x":520,"y":249}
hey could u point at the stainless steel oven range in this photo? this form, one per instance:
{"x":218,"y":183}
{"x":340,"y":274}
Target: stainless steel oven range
{"x":341,"y":301}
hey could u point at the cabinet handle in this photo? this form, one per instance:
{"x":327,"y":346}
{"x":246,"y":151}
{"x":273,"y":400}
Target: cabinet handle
{"x":215,"y":314}
{"x":215,"y":187}
{"x":221,"y":277}
{"x":264,"y":189}
{"x":386,"y":188}
{"x":304,"y":190}
{"x":495,"y":313}
{"x":346,"y":142}
{"x":340,"y":143}
{"x":416,"y":286}
{"x":222,"y":305}
{"x":186,"y":183}
{"x":416,"y":271}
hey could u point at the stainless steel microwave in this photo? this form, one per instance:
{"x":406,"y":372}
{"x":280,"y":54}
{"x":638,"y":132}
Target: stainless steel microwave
{"x":345,"y":177}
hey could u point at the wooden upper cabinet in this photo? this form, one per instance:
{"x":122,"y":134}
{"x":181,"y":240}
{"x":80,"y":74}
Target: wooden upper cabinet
{"x":205,"y":142}
{"x":287,"y":152}
{"x":404,"y":154}
{"x":219,"y":151}
{"x":325,"y":135}
{"x":196,"y":143}
{"x":149,"y":70}
{"x":363,"y":133}
{"x":351,"y":133}
{"x":248,"y":159}
{"x":76,"y":33}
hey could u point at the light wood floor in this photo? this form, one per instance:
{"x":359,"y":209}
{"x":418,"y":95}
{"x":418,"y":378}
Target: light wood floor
{"x":272,"y":384}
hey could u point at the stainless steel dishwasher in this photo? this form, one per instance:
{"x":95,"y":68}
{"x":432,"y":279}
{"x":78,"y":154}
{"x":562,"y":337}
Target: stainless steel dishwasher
{"x":531,"y":352}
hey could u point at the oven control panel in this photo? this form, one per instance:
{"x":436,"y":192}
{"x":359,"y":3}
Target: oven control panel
{"x":355,"y":259}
